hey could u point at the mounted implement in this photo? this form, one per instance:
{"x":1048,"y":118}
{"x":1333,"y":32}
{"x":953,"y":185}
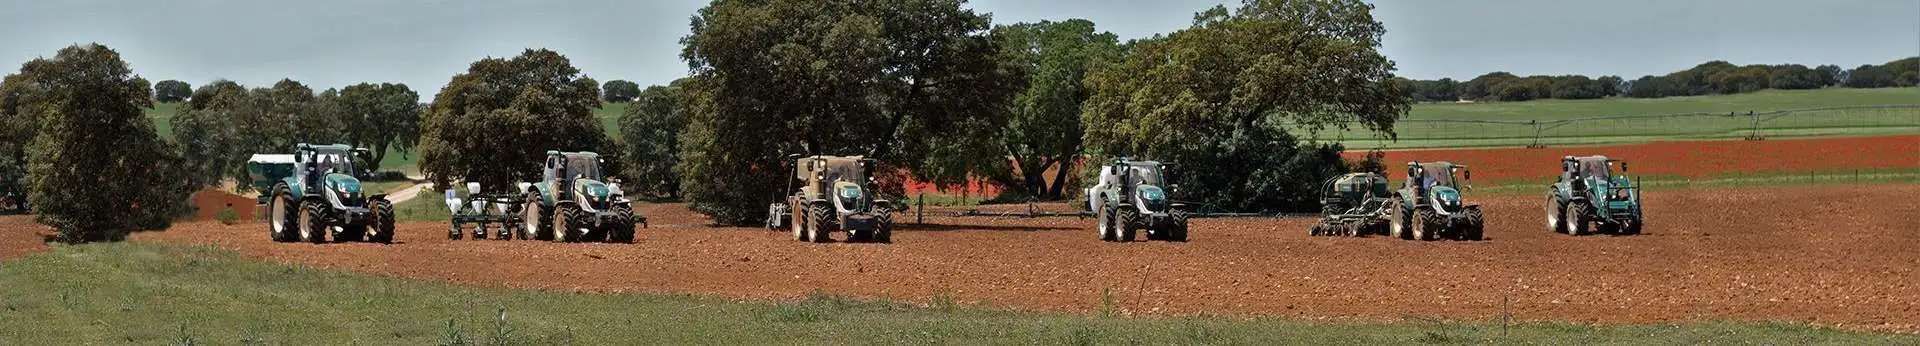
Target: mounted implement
{"x":1353,"y":205}
{"x":1129,"y":197}
{"x":312,"y":194}
{"x":1588,"y":193}
{"x":574,"y":202}
{"x":481,"y":209}
{"x":837,"y":195}
{"x":1429,"y":206}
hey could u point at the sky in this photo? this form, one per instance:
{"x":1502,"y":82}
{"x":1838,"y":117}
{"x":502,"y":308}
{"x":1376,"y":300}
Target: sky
{"x":423,"y":43}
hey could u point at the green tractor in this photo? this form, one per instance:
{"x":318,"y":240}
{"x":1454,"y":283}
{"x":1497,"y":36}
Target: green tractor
{"x":1130,"y":197}
{"x":1429,"y":206}
{"x":575,"y":202}
{"x":312,"y":194}
{"x":1352,"y":205}
{"x":1588,"y":193}
{"x":837,"y":195}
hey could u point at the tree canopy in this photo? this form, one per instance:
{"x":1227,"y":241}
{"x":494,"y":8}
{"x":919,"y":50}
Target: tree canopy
{"x":494,"y":123}
{"x":96,"y":170}
{"x":172,"y":91}
{"x":1043,"y":128}
{"x":1219,"y":98}
{"x":620,"y":91}
{"x":379,"y":117}
{"x":915,"y":84}
{"x":650,"y":132}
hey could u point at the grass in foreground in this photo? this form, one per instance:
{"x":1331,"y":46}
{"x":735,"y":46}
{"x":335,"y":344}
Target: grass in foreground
{"x":150,"y":293}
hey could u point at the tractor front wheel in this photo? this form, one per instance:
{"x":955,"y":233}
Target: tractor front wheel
{"x":1179,"y":233}
{"x":1476,"y":226}
{"x":822,"y":224}
{"x":1426,"y":229}
{"x":1129,"y":222}
{"x":883,"y":230}
{"x":567,"y":223}
{"x":622,"y":228}
{"x":313,"y":223}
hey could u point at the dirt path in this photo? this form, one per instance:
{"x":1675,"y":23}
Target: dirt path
{"x":1707,"y":255}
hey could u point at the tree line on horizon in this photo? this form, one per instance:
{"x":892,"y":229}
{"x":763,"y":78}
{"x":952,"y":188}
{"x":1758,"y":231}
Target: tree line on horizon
{"x":934,"y":91}
{"x":1711,"y":78}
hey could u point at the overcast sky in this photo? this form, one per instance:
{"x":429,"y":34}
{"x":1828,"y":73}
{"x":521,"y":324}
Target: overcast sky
{"x":423,"y":43}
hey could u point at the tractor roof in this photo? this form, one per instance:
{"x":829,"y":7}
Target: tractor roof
{"x":834,"y":167}
{"x":271,"y":158}
{"x":328,"y":147}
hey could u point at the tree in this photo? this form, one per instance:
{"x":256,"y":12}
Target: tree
{"x":1906,"y":72}
{"x":1830,"y":75}
{"x":206,"y":129}
{"x":1524,"y":89}
{"x":1576,"y":87}
{"x":650,"y":131}
{"x":1869,"y":76}
{"x":915,"y":84}
{"x":172,"y":91}
{"x":379,"y":117}
{"x":1043,"y":128}
{"x":1794,"y":76}
{"x":620,"y":91}
{"x":1218,"y":98}
{"x":1650,"y":87}
{"x":96,"y":169}
{"x":494,"y":123}
{"x":1611,"y":85}
{"x":1480,"y":87}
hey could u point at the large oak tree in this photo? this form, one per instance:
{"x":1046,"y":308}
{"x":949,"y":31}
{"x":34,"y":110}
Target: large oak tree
{"x":494,"y":123}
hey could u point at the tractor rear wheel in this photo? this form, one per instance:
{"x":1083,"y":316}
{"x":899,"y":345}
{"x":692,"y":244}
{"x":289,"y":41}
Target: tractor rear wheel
{"x":536,"y":221}
{"x":799,"y":222}
{"x":282,"y":220}
{"x":1577,"y":218}
{"x":1556,"y":210}
{"x":313,"y":223}
{"x":1397,"y":221}
{"x":382,"y":222}
{"x":823,"y":223}
{"x":1104,"y":225}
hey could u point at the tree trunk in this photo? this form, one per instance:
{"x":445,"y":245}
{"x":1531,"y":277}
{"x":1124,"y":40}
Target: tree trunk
{"x":1060,"y":177}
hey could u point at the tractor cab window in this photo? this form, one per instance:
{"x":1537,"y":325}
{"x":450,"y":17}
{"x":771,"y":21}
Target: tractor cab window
{"x":1595,"y":169}
{"x":1147,"y":174}
{"x":1438,"y":176}
{"x":583,"y":167}
{"x":332,"y":162}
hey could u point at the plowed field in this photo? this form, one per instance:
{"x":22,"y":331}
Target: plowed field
{"x":1693,"y":159}
{"x":1845,"y":257}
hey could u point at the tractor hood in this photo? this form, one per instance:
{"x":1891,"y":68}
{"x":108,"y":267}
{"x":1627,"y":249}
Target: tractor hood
{"x":594,"y":189}
{"x":1153,"y":198}
{"x":343,"y":184}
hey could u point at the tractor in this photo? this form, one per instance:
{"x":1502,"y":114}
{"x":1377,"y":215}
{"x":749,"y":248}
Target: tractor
{"x":13,"y":198}
{"x":837,"y":195}
{"x":575,"y":202}
{"x":312,"y":194}
{"x":1589,"y":194}
{"x":1429,"y":206}
{"x":1130,"y":197}
{"x":1352,"y":205}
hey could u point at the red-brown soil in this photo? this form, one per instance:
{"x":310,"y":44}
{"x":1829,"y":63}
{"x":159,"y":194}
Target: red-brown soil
{"x":20,"y":236}
{"x":1843,"y":256}
{"x":208,"y":204}
{"x":1693,"y":159}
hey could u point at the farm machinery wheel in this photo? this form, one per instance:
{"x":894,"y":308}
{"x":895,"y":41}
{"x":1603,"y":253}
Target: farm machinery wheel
{"x":382,"y":222}
{"x":282,"y":221}
{"x":480,"y":231}
{"x":1398,"y":221}
{"x":883,"y":233}
{"x":1475,"y":228}
{"x":1578,"y":218}
{"x":1179,"y":233}
{"x":1633,"y":227}
{"x":820,"y":227}
{"x":799,"y":223}
{"x":622,"y":229}
{"x":313,"y":222}
{"x":454,"y":232}
{"x":1427,"y":228}
{"x":1556,"y":210}
{"x":1103,"y":223}
{"x":566,"y":223}
{"x":536,"y":221}
{"x":1129,"y":222}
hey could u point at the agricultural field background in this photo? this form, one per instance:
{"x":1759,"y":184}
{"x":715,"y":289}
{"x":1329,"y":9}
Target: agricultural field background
{"x":1417,"y":134}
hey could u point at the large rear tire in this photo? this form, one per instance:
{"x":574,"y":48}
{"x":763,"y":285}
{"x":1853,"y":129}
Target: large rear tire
{"x":1103,"y":223}
{"x":536,"y":220}
{"x":1556,"y":210}
{"x":1397,"y":221}
{"x":799,"y":222}
{"x":382,"y":222}
{"x":283,"y":213}
{"x":313,"y":223}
